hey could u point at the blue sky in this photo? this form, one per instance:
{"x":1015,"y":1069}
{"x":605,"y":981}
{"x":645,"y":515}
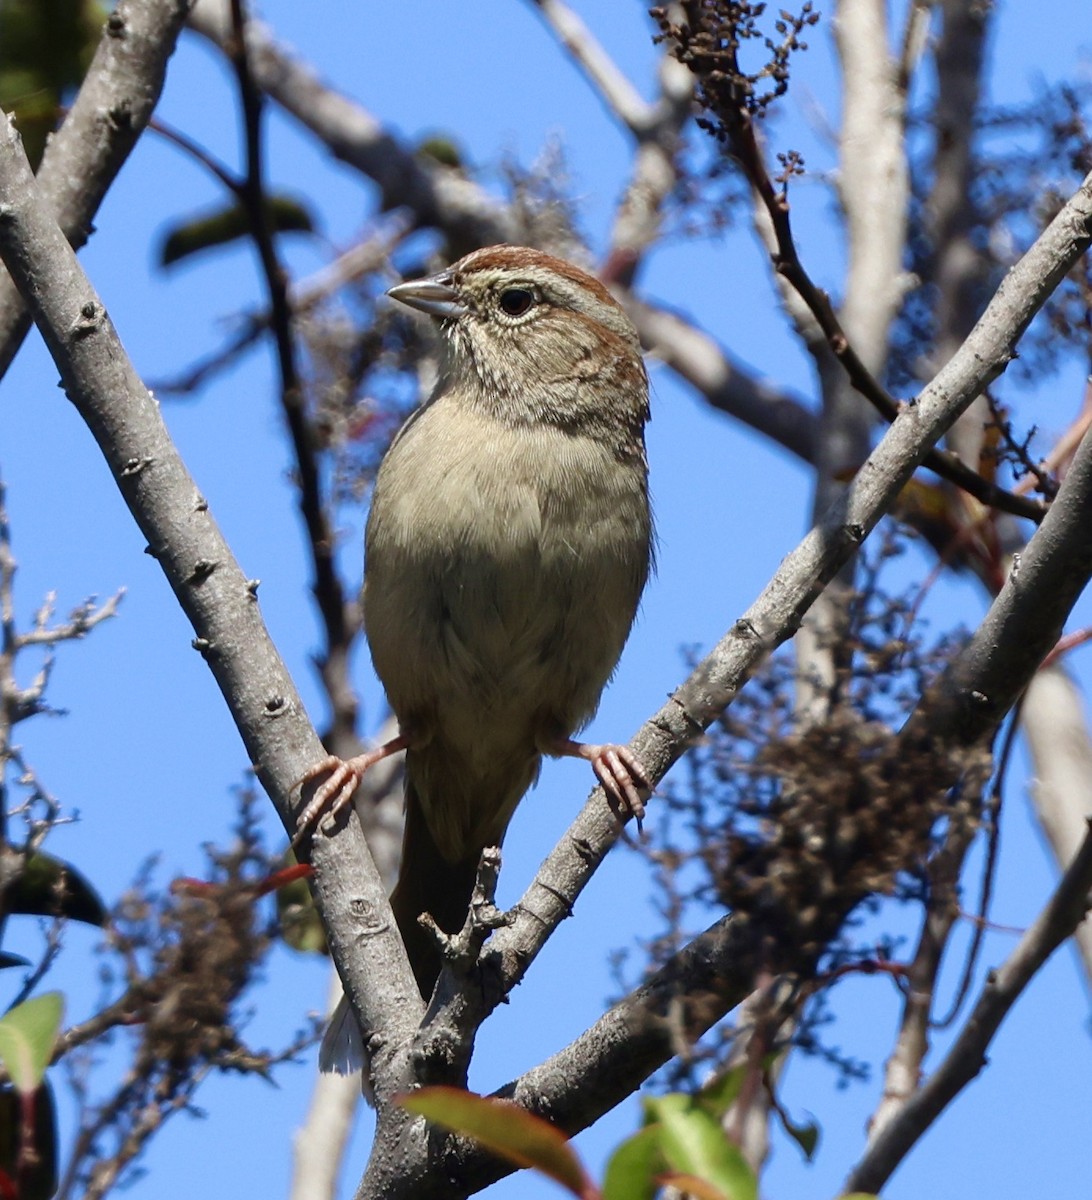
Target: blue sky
{"x":147,"y":754}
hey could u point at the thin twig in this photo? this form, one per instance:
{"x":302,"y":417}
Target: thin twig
{"x":1064,"y":911}
{"x":737,"y":125}
{"x":788,"y":264}
{"x":992,"y":822}
{"x":362,"y":259}
{"x":339,"y":618}
{"x":200,"y":155}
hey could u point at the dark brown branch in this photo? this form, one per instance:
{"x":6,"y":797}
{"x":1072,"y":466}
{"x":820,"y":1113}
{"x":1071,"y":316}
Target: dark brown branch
{"x":737,"y":128}
{"x":787,"y":263}
{"x":340,"y":620}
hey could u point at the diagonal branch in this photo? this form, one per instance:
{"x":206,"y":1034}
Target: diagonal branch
{"x":341,"y":621}
{"x":468,"y":215}
{"x":788,"y":264}
{"x":717,"y":970}
{"x":220,"y":602}
{"x":718,"y":74}
{"x":698,"y":360}
{"x":656,"y":127}
{"x":777,"y":612}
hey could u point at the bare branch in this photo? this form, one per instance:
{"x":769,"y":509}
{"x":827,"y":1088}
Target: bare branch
{"x":319,"y":1144}
{"x":902,"y":1070}
{"x":80,"y":623}
{"x":777,"y":612}
{"x":341,"y":623}
{"x":737,"y":127}
{"x":873,"y":181}
{"x":696,"y":358}
{"x":365,"y":258}
{"x":436,"y":196}
{"x":914,"y":37}
{"x":639,"y":218}
{"x":958,"y":269}
{"x":1057,"y":737}
{"x":210,"y":586}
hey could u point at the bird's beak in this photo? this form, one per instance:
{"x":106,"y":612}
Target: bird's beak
{"x":433,"y":295}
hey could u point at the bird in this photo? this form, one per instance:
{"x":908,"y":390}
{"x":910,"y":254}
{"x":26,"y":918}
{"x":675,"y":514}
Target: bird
{"x":507,"y":546}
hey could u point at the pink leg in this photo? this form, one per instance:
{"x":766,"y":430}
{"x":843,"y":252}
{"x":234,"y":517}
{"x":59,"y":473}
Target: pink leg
{"x":345,"y":777}
{"x":617,"y":768}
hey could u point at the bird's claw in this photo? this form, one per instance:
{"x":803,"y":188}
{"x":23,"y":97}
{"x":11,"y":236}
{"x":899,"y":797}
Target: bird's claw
{"x":337,"y":792}
{"x":621,"y":773}
{"x":332,"y":797}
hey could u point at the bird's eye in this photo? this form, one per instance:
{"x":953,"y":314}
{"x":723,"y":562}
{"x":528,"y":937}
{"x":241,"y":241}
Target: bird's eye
{"x":516,"y":301}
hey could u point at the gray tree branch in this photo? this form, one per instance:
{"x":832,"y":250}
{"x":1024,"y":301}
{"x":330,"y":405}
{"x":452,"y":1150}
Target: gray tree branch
{"x":435,"y":195}
{"x":699,"y":361}
{"x":716,"y":971}
{"x":620,"y":96}
{"x":220,"y":602}
{"x":777,"y":612}
{"x":956,"y":265}
{"x":1055,"y":727}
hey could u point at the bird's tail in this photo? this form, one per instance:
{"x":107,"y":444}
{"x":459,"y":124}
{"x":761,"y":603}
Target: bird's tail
{"x":428,"y":883}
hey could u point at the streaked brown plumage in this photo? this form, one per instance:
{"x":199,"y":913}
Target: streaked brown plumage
{"x":507,"y":547}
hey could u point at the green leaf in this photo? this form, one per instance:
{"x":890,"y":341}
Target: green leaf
{"x":230,"y":223}
{"x":720,"y":1094}
{"x":51,"y":887}
{"x":33,"y":1174}
{"x":46,"y":47}
{"x":27,"y":1035}
{"x":633,"y":1167}
{"x":443,"y":149}
{"x":506,"y":1129}
{"x":297,"y":918}
{"x":806,"y":1136}
{"x":694,"y":1144}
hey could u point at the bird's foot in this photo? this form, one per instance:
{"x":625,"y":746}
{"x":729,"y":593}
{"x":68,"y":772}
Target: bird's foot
{"x":337,"y":792}
{"x":617,"y":768}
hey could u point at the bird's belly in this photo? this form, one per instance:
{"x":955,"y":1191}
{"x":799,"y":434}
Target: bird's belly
{"x":506,"y":592}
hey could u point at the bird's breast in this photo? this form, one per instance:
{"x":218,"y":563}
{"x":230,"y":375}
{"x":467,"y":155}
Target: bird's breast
{"x":503,"y":569}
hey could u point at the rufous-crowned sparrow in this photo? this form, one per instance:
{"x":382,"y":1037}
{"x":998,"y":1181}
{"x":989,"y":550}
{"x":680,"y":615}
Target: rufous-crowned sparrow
{"x":507,"y":546}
